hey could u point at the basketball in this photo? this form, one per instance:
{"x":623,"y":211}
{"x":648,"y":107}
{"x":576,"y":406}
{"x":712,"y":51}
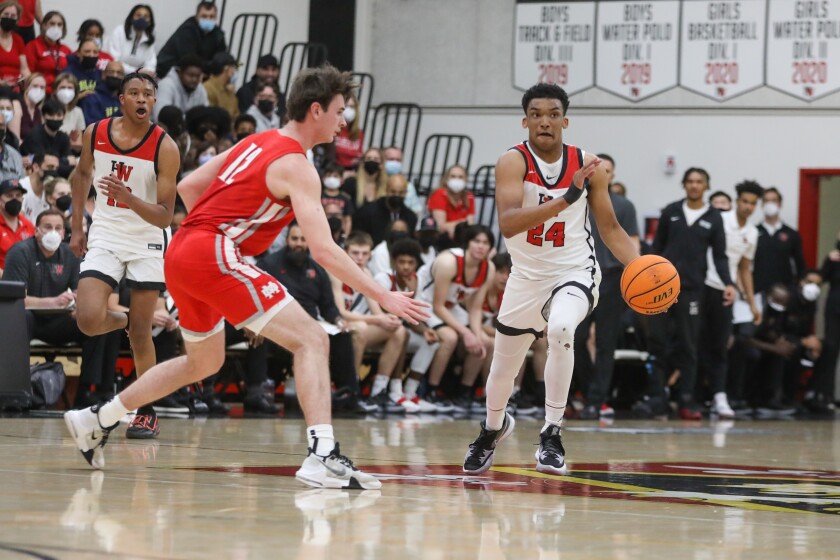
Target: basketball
{"x":650,"y":284}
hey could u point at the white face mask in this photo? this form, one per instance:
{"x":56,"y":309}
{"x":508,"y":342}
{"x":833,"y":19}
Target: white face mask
{"x":776,"y":306}
{"x":54,"y":33}
{"x":8,"y":115}
{"x":332,"y":182}
{"x":66,"y":95}
{"x":51,"y":240}
{"x":36,"y":94}
{"x":456,"y":185}
{"x":810,"y":291}
{"x":349,"y":114}
{"x":771,"y":209}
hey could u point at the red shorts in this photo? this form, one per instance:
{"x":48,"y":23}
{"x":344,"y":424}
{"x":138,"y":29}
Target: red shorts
{"x":210,"y":282}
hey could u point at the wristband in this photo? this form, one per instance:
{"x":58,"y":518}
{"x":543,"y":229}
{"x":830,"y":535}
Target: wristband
{"x":573,"y":192}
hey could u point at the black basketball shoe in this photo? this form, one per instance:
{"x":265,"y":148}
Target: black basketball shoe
{"x":480,"y":456}
{"x":145,"y":424}
{"x":551,"y":457}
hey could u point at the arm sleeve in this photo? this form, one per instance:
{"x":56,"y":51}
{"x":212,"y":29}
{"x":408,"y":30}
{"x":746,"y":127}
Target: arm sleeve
{"x":719,"y":252}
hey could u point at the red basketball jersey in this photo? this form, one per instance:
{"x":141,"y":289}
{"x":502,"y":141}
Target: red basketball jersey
{"x":238,"y":202}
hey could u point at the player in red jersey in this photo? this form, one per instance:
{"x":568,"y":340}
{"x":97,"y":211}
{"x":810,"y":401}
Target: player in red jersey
{"x":238,"y":203}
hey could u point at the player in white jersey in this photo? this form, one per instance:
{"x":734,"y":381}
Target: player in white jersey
{"x":544,"y":191}
{"x":133,"y":165}
{"x":371,"y":326}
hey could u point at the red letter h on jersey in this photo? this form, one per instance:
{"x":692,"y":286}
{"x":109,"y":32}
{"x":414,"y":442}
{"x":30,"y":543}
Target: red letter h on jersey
{"x":121,"y":170}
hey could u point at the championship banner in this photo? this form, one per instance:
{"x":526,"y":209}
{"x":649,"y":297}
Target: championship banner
{"x":722,"y":47}
{"x":803,"y":47}
{"x":554,"y":43}
{"x":638,"y":46}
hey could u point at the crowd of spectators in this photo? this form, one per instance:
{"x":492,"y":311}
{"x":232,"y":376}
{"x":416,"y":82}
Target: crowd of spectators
{"x":740,"y":339}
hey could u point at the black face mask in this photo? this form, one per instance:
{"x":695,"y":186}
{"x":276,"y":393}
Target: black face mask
{"x":89,"y":62}
{"x":298,"y":258}
{"x":13,"y":207}
{"x":371,"y":167}
{"x":63,"y":202}
{"x":140,"y":24}
{"x":188,"y":89}
{"x":8,"y":24}
{"x":335,"y":224}
{"x":50,"y":173}
{"x":113,"y":83}
{"x":243,"y":136}
{"x":266,"y":106}
{"x":395,"y":236}
{"x":395,"y":202}
{"x":53,"y":124}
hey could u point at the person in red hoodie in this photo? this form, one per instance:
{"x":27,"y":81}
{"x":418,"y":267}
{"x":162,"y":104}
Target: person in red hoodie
{"x":47,"y":54}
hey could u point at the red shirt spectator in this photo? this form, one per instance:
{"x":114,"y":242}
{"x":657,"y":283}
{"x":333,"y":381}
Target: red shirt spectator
{"x":455,"y":212}
{"x":48,"y":59}
{"x":14,"y":226}
{"x":10,"y":60}
{"x":27,"y":14}
{"x":347,"y":150}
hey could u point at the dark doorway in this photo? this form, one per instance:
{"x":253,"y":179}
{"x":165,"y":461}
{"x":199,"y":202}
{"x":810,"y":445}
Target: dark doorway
{"x":333,"y":23}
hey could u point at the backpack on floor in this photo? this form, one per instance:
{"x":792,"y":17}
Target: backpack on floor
{"x":48,"y":380}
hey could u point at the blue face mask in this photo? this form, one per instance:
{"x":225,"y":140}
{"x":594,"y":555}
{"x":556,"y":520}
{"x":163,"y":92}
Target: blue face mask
{"x":207,"y":25}
{"x":393,"y":167}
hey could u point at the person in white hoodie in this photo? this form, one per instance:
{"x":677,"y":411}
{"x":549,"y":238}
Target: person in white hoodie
{"x":133,"y":43}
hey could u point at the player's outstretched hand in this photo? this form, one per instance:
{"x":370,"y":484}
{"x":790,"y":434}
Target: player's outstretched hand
{"x":78,"y":243}
{"x":404,"y":306}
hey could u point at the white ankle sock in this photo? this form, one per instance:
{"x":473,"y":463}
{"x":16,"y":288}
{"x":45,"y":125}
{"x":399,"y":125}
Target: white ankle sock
{"x":411,"y":386}
{"x":395,"y":388}
{"x":380,"y":382}
{"x":323,"y":433}
{"x":111,"y":412}
{"x":548,"y":425}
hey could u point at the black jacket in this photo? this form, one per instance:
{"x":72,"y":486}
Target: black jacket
{"x":44,"y":276}
{"x":686,"y":246}
{"x":310,"y":285}
{"x":375,"y":217}
{"x":831,"y":274}
{"x":778,"y":258}
{"x":38,"y":140}
{"x":189,"y":39}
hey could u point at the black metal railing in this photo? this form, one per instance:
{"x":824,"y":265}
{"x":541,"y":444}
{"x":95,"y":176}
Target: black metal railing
{"x":440,"y":151}
{"x":251,"y":36}
{"x":396,"y":124}
{"x":296,"y":56}
{"x":364,"y":95}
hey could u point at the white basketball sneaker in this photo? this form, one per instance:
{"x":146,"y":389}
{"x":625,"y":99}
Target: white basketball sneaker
{"x":90,"y":436}
{"x":334,"y":471}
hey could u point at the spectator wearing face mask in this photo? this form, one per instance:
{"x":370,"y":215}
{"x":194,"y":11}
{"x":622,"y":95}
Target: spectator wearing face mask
{"x":348,"y":144}
{"x":370,"y":181}
{"x":11,"y":163}
{"x":267,"y":72}
{"x":778,"y":257}
{"x":332,"y":194}
{"x":92,"y":29}
{"x":451,"y":204}
{"x":105,"y":101}
{"x":199,"y":36}
{"x":44,"y":166}
{"x":13,"y":64}
{"x":47,"y":54}
{"x":14,"y":226}
{"x":244,"y":126}
{"x":48,"y":137}
{"x":34,"y":93}
{"x":82,"y":64}
{"x":264,"y":108}
{"x":133,"y":43}
{"x":393,"y":157}
{"x":182,"y":88}
{"x":59,"y":195}
{"x":376,"y":217}
{"x":65,"y":91}
{"x":721,"y":201}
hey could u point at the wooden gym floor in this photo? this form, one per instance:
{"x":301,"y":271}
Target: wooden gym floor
{"x":224,"y":488}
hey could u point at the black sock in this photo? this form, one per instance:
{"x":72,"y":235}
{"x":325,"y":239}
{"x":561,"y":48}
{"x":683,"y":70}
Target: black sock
{"x":146,"y":409}
{"x":464,"y":390}
{"x":539,"y":392}
{"x":433,"y":390}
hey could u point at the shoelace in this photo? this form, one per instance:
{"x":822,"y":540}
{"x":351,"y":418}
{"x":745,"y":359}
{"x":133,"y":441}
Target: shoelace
{"x":336,"y":454}
{"x":481,"y":443}
{"x":553,"y":444}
